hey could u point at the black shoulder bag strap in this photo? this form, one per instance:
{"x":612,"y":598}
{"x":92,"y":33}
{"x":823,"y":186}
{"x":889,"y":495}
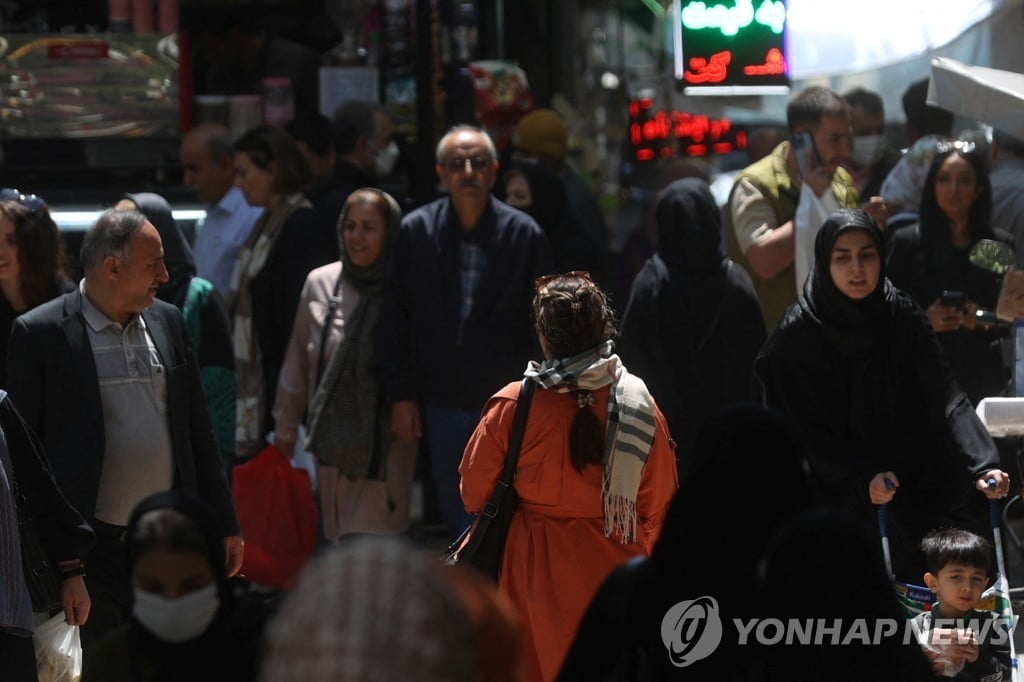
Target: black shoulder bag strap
{"x":332,"y":309}
{"x":515,"y":442}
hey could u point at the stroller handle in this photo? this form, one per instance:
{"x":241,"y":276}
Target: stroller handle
{"x":883,"y":531}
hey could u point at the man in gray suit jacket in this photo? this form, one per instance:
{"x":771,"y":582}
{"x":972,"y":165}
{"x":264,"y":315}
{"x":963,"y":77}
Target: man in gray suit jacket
{"x":107,"y":378}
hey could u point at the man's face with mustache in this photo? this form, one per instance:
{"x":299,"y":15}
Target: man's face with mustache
{"x":468,"y":170}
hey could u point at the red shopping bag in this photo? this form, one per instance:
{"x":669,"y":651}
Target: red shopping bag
{"x":278,"y":516}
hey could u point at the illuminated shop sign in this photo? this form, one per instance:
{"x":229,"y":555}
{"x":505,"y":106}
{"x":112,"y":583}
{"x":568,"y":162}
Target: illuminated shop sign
{"x":658,"y":134}
{"x":730,"y":46}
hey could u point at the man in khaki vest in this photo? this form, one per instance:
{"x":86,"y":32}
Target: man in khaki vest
{"x":765,"y":196}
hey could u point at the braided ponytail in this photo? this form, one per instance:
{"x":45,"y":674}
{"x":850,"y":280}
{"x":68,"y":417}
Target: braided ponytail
{"x":573,"y":315}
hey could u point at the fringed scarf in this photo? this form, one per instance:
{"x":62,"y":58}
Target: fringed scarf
{"x":629,"y":434}
{"x":251,"y":401}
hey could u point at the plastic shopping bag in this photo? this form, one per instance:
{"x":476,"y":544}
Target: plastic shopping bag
{"x":278,"y":515}
{"x":811,"y":212}
{"x":58,"y":651}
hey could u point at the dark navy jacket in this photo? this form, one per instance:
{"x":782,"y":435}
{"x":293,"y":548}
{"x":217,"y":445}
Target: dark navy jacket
{"x":422,"y":353}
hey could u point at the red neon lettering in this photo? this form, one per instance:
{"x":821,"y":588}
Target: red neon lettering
{"x":721,"y":147}
{"x":650,"y":130}
{"x":644,"y":154}
{"x":697,"y":150}
{"x":774,"y":65}
{"x":635,"y":136}
{"x":713,"y":70}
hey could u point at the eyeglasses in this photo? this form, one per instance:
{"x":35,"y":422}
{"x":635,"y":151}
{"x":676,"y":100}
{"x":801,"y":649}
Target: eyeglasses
{"x":540,"y":282}
{"x":32,"y":202}
{"x":962,"y":146}
{"x":457,"y":164}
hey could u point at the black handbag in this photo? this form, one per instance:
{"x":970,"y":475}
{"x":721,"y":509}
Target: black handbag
{"x":482,"y":544}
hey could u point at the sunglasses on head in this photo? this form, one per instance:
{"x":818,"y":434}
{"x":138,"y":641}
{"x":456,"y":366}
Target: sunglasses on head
{"x":962,"y":146}
{"x":546,"y":279}
{"x":457,"y":164}
{"x":32,"y":202}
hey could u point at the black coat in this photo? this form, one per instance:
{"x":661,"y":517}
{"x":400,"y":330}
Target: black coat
{"x":423,"y":351}
{"x":693,"y":323}
{"x":866,"y":387}
{"x":62,"y":531}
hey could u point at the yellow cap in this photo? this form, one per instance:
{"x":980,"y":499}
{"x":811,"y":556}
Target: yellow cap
{"x":542,"y":131}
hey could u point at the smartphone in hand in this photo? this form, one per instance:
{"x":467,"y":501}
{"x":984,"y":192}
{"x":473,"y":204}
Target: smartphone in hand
{"x":953,"y":299}
{"x":806,"y":155}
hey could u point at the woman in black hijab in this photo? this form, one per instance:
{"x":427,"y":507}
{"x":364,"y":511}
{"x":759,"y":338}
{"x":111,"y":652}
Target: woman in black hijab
{"x":539,"y":192}
{"x":189,"y":621}
{"x":693,"y":324}
{"x":204,"y":312}
{"x":856,"y":369}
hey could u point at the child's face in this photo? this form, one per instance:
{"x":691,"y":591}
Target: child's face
{"x":957,"y":587}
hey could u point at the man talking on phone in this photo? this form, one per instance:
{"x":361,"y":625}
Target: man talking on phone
{"x":764,"y":214}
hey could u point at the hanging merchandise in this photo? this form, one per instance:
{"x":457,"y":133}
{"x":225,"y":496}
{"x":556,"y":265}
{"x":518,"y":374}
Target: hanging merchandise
{"x":503,"y":96}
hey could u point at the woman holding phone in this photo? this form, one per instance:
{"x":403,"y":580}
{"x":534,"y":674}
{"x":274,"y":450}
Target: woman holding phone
{"x":930,"y":261}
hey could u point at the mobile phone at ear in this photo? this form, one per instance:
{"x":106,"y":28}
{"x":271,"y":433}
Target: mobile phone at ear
{"x":953,"y":299}
{"x":804,"y":151}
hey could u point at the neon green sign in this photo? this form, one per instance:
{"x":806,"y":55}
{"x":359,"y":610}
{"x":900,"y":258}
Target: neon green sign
{"x":729,"y":20}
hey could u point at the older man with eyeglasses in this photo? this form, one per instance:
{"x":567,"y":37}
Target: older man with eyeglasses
{"x":456,"y":319}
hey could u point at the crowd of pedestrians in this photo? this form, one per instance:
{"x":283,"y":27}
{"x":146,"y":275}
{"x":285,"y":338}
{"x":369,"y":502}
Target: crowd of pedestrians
{"x":796,"y":351}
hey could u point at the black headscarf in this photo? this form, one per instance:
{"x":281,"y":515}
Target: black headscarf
{"x":851,"y":326}
{"x":228,"y":650}
{"x":193,"y":508}
{"x":689,"y":229}
{"x":181,"y":266}
{"x":549,"y":208}
{"x":692,"y":326}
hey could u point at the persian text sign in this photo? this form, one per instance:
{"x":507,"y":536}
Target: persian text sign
{"x":731,"y":44}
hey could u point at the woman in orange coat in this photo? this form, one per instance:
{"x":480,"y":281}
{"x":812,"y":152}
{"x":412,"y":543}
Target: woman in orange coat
{"x":593,"y":491}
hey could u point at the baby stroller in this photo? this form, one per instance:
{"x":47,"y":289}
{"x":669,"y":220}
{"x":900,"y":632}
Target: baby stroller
{"x":915,"y":599}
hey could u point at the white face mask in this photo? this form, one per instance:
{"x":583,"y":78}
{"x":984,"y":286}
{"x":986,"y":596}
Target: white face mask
{"x":177,"y":620}
{"x":386,"y":159}
{"x":867,"y":149}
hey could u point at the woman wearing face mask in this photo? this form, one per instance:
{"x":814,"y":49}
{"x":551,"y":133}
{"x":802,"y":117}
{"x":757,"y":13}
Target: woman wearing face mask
{"x":188,"y":622}
{"x":932,"y":256}
{"x":856,"y":369}
{"x":327,"y":382}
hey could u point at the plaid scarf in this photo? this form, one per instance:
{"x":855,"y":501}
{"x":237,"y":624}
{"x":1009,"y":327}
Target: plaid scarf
{"x":628,"y":435}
